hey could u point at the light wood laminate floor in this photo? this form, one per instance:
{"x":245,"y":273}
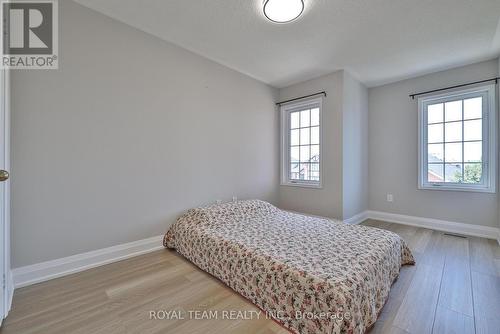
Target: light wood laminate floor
{"x":453,"y":288}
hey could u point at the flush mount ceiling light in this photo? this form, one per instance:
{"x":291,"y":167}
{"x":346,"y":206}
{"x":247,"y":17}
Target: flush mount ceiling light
{"x":283,"y":11}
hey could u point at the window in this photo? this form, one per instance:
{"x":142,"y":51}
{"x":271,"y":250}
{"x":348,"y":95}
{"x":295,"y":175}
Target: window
{"x":301,"y":143}
{"x":457,"y":140}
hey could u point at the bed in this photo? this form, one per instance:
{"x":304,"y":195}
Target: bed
{"x":310,"y":274}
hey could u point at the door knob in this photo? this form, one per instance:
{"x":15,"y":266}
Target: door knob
{"x":4,"y":175}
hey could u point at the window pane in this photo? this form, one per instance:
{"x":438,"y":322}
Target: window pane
{"x":435,"y":153}
{"x":453,"y":152}
{"x":435,"y":113}
{"x":294,"y":154}
{"x":473,"y":152}
{"x":315,"y":135}
{"x":304,"y":136}
{"x":453,"y":173}
{"x":294,"y":137}
{"x":295,"y":171}
{"x":473,"y":108}
{"x":473,"y":130}
{"x":304,"y":171}
{"x":435,"y":173}
{"x":453,"y":131}
{"x":473,"y":173}
{"x":302,"y":126}
{"x":314,"y":116}
{"x":304,"y":118}
{"x":453,"y":111}
{"x":435,"y":133}
{"x":304,"y":154}
{"x":314,"y":153}
{"x":314,"y":172}
{"x":294,"y":120}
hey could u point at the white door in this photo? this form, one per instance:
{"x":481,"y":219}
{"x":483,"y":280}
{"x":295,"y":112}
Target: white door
{"x":4,"y":194}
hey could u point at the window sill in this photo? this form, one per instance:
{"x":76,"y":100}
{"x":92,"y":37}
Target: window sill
{"x":303,"y":185}
{"x":458,"y":188}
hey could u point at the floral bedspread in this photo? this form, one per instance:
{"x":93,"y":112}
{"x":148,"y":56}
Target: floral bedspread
{"x":312,"y":275}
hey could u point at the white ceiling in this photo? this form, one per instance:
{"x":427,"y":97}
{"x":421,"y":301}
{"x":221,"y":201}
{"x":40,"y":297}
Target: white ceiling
{"x":378,"y":41}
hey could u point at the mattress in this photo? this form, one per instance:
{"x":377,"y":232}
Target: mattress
{"x":310,"y":274}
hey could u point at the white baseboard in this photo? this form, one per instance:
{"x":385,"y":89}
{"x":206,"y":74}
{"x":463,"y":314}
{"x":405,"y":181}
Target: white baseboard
{"x":431,"y":223}
{"x":437,"y":224}
{"x":9,"y":289}
{"x":39,"y":272}
{"x":44,"y":271}
{"x":356,"y":219}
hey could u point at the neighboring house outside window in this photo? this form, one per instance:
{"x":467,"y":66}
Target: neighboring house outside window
{"x":457,"y":137}
{"x":301,"y":143}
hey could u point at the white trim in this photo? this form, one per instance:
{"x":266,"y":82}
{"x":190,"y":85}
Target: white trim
{"x":9,"y":290}
{"x":356,"y":219}
{"x":488,"y":93}
{"x":437,"y":224}
{"x":285,"y":110}
{"x":482,"y":231}
{"x":40,"y":272}
{"x":5,"y":112}
{"x":8,"y":294}
{"x":44,"y":271}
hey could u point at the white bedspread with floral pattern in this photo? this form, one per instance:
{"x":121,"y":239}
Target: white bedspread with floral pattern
{"x":312,"y":275}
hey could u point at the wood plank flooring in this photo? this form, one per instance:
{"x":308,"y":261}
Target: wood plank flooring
{"x":453,"y":288}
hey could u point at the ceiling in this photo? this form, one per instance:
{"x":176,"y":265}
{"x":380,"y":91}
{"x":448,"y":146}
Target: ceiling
{"x":378,"y":41}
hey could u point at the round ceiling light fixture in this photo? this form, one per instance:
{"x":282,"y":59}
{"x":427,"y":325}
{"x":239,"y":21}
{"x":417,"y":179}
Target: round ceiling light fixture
{"x":283,"y":11}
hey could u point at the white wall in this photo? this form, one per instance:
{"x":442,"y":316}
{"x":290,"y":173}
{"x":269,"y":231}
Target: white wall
{"x":393,"y":152}
{"x":345,"y":164}
{"x":355,"y":147}
{"x":328,"y":200}
{"x":128,"y":133}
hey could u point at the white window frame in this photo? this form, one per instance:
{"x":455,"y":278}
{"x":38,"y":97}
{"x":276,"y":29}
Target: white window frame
{"x":285,"y":111}
{"x":489,"y":140}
